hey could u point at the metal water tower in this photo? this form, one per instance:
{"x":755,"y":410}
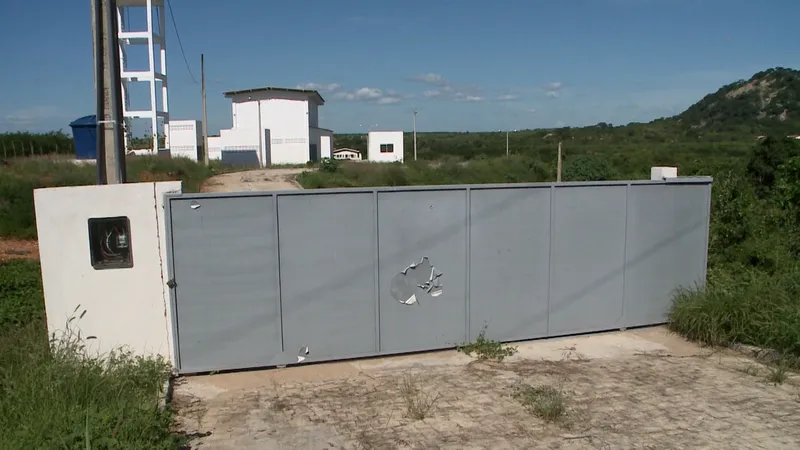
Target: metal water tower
{"x":142,"y":24}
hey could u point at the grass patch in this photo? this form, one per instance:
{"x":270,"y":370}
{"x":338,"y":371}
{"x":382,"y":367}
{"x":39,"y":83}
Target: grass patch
{"x":749,"y":307}
{"x":419,"y":404}
{"x":53,"y":396}
{"x":778,"y":374}
{"x":546,"y":402}
{"x":487,"y":349}
{"x":21,"y":176}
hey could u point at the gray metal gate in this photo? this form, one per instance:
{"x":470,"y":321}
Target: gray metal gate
{"x":274,"y":278}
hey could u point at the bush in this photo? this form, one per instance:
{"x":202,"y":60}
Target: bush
{"x":53,"y":396}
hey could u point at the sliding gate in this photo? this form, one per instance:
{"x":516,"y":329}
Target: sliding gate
{"x":274,"y":278}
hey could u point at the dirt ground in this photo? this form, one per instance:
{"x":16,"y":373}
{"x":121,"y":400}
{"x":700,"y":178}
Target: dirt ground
{"x":642,"y":389}
{"x":18,"y":249}
{"x":254,"y":180}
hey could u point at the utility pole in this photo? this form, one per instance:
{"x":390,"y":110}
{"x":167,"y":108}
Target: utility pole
{"x":506,"y":144}
{"x":110,"y":134}
{"x":415,"y":134}
{"x":205,"y":117}
{"x":558,"y":170}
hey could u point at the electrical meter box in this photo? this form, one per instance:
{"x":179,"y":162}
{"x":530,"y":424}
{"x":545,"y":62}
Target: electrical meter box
{"x":110,"y":243}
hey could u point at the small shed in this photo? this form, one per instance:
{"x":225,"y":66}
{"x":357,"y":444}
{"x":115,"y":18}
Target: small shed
{"x":84,"y":133}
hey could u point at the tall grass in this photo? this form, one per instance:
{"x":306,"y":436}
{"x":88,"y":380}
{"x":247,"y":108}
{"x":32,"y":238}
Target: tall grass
{"x":749,"y":307}
{"x":21,"y":176}
{"x":55,"y":394}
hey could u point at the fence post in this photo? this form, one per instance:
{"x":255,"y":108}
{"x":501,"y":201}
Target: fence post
{"x":5,"y":152}
{"x":33,"y":151}
{"x":14,"y":148}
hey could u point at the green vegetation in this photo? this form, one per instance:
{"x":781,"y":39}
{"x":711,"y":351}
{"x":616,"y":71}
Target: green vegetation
{"x":753,"y":289}
{"x":19,"y":177}
{"x":487,"y":349}
{"x":51,"y":396}
{"x":19,"y":144}
{"x":546,"y":402}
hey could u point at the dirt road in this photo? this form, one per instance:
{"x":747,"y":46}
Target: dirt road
{"x":254,"y":180}
{"x":642,"y":388}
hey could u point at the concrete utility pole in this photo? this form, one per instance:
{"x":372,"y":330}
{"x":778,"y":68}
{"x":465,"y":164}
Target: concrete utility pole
{"x":110,"y":133}
{"x":415,"y":134}
{"x":205,"y":117}
{"x":558,"y":170}
{"x":506,"y":144}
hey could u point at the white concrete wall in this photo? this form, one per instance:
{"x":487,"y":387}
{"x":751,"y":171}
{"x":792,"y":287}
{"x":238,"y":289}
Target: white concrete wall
{"x":325,"y":146}
{"x":185,"y":138}
{"x":287,"y":121}
{"x":215,"y":147}
{"x":124,"y":307}
{"x":376,"y":138}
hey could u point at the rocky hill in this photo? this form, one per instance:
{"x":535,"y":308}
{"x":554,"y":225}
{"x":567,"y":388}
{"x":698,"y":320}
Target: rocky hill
{"x":770,"y":100}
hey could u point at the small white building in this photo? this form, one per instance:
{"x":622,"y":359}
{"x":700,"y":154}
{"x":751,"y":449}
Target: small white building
{"x":273,"y":126}
{"x":349,"y":154}
{"x":185,"y":139}
{"x":385,"y":146}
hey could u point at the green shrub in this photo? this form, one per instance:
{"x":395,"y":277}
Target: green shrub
{"x":21,"y":298}
{"x":52,"y":396}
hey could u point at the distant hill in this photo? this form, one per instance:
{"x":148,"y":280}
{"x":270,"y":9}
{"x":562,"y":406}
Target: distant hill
{"x":769,"y":101}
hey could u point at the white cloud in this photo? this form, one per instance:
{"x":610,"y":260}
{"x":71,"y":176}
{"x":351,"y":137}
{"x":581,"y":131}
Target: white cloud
{"x":319,"y":87}
{"x":462,"y":97}
{"x":507,"y":97}
{"x":35,"y":118}
{"x":369,"y":94}
{"x":430,"y":78}
{"x":432,"y":94}
{"x":553,"y":89}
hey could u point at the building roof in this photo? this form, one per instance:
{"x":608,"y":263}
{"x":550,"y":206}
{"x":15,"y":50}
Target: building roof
{"x":323,"y":129}
{"x":339,"y":150}
{"x":309,"y":92}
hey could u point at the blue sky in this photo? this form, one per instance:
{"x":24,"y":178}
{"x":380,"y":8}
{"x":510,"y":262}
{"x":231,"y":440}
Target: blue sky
{"x":464,"y":64}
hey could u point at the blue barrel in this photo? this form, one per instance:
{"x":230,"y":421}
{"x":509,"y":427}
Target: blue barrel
{"x":84,"y":133}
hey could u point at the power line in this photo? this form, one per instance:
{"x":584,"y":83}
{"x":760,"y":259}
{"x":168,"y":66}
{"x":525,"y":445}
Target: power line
{"x":180,"y":44}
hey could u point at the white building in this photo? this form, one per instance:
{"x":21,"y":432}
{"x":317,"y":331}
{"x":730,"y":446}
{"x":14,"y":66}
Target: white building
{"x":186,"y":139}
{"x":347,"y":154}
{"x":385,"y":146}
{"x":273,"y":126}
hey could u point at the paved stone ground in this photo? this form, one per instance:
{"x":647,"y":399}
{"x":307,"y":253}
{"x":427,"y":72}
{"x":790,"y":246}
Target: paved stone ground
{"x":639,"y":389}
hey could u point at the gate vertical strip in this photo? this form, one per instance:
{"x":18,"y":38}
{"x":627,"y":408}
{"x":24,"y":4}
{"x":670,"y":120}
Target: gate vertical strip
{"x":625,"y":253}
{"x":376,"y":270}
{"x":467,"y":299}
{"x":173,"y":301}
{"x":550,"y":256}
{"x":277,"y":234}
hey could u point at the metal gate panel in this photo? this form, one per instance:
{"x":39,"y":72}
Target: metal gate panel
{"x":414,"y":225}
{"x":665,"y":248}
{"x":328,"y":254}
{"x":509,"y":260}
{"x":361,"y":272}
{"x":587,"y":259}
{"x":226,"y":292}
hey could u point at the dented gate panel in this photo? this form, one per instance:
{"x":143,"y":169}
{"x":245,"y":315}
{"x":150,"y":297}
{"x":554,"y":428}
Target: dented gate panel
{"x":422,"y":239}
